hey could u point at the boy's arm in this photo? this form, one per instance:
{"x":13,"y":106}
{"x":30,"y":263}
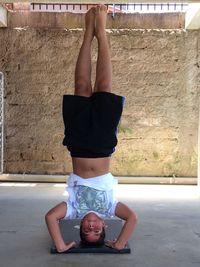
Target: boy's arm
{"x":125,"y":213}
{"x":52,"y":219}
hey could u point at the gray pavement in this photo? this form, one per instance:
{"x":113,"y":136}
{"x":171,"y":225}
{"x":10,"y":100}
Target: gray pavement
{"x":167,"y":234}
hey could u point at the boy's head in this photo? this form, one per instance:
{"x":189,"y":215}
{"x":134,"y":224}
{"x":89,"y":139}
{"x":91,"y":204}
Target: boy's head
{"x":92,"y":230}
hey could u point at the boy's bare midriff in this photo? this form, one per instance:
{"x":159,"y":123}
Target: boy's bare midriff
{"x":90,"y":167}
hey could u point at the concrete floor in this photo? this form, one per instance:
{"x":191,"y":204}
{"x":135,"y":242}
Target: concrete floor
{"x":167,"y":234}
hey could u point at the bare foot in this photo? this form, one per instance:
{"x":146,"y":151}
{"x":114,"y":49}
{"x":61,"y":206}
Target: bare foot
{"x":90,"y":23}
{"x":100,"y":20}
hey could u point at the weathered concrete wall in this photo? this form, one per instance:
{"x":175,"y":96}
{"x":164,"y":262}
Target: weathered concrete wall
{"x":74,"y":21}
{"x":156,"y":70}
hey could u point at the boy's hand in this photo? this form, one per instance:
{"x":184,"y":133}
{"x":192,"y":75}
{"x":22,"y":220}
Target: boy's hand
{"x":114,"y":244}
{"x":66,"y":247}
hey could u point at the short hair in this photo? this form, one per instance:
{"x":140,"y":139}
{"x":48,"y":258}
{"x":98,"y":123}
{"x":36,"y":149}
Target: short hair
{"x":98,"y":243}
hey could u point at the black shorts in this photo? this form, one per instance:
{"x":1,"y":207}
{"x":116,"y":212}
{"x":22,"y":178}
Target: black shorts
{"x":91,"y":124}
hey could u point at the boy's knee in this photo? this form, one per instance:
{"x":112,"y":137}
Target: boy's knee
{"x":104,"y":87}
{"x":82,"y":88}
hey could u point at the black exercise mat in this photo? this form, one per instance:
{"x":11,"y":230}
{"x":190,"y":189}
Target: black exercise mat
{"x":70,"y":232}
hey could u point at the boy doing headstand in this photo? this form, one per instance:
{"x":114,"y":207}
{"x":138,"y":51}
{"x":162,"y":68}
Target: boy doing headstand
{"x":91,"y":118}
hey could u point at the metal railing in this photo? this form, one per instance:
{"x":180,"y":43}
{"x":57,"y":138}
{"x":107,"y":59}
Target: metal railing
{"x":114,"y":8}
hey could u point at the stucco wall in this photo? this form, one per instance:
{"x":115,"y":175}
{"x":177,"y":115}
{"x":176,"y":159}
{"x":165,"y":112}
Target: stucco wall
{"x":156,"y":70}
{"x":74,"y":21}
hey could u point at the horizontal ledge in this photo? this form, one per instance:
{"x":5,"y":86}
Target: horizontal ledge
{"x":96,"y":1}
{"x":28,"y":19}
{"x":121,"y":179}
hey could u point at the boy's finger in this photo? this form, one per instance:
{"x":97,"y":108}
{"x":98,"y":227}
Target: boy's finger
{"x":109,"y":244}
{"x":71,"y":245}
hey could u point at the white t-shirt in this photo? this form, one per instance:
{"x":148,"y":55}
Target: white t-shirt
{"x":92,"y":194}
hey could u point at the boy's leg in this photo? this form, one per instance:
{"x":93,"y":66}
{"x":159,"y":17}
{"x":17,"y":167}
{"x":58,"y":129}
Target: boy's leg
{"x":83,"y":66}
{"x":104,"y":67}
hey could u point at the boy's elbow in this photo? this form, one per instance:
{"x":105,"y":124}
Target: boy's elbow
{"x":133,"y":217}
{"x":49,"y":216}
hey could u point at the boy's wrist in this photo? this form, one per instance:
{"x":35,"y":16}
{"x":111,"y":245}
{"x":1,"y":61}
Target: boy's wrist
{"x":120,"y":244}
{"x":65,"y":246}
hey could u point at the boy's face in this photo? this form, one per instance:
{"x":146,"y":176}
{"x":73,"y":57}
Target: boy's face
{"x":92,"y":226}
